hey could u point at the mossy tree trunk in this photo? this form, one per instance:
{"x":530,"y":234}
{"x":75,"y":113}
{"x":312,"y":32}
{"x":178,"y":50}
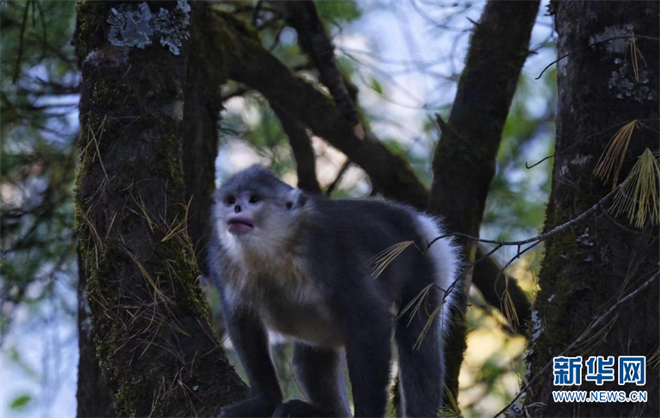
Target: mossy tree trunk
{"x":152,"y":334}
{"x":590,"y":266}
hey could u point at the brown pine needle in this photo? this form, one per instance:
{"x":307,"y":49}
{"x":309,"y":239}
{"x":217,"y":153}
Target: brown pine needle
{"x":611,"y":160}
{"x":383,"y":259}
{"x":639,"y":197}
{"x":509,"y":308}
{"x":416,"y":304}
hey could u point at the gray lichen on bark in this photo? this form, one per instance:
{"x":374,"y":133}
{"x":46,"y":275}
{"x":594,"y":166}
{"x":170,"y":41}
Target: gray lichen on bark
{"x":137,"y":26}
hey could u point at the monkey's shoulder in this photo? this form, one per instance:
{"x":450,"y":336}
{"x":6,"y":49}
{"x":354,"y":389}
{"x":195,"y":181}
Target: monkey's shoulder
{"x":362,"y":216}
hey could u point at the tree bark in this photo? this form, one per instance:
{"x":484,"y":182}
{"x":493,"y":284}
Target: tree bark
{"x":590,"y":266}
{"x":201,"y":113}
{"x":465,"y":157}
{"x":153,"y":339}
{"x":93,"y":396}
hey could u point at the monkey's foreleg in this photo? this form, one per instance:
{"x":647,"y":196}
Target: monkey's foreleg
{"x":250,"y":339}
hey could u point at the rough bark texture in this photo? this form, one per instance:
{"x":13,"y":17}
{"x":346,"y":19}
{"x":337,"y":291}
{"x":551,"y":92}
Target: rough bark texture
{"x":589,"y":266}
{"x":464,"y":159}
{"x":93,"y":396}
{"x":156,"y":348}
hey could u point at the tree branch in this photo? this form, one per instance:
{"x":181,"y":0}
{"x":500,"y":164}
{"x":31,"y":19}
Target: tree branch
{"x":251,"y":64}
{"x":303,"y":153}
{"x":316,"y":44}
{"x":464,"y":159}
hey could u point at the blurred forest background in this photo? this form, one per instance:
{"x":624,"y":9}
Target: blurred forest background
{"x":403,"y":58}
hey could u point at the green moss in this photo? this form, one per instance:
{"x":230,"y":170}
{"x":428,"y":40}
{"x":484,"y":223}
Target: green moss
{"x":90,"y":25}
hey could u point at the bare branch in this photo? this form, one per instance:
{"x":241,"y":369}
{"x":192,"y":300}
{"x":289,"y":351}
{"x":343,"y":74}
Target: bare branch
{"x":303,"y":153}
{"x":315,"y":42}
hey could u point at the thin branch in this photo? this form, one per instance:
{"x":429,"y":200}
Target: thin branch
{"x":629,"y":37}
{"x":303,"y":153}
{"x":537,"y":238}
{"x":340,"y":174}
{"x":539,"y":162}
{"x":20,"y":43}
{"x":316,"y":43}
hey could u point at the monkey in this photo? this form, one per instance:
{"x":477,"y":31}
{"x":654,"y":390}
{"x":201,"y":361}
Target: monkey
{"x":302,"y":265}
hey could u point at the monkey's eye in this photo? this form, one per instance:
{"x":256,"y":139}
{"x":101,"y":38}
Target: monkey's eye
{"x":230,"y":200}
{"x":289,"y":205}
{"x":254,"y":199}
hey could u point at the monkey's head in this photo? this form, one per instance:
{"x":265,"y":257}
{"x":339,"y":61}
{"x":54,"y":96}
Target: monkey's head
{"x":253,"y":207}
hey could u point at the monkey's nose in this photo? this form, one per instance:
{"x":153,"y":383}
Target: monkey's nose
{"x":237,"y":208}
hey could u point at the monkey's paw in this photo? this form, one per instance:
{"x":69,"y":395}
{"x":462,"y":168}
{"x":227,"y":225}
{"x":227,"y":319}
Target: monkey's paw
{"x":251,"y":407}
{"x":300,"y":409}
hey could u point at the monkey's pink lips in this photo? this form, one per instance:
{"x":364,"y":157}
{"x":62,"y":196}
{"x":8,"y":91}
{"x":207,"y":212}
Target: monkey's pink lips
{"x":239,"y":225}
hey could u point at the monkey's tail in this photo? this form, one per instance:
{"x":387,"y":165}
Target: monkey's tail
{"x":445,"y":256}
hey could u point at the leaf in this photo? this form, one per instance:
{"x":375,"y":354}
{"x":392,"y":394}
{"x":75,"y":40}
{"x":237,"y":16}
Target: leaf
{"x":20,"y":402}
{"x":376,"y":86}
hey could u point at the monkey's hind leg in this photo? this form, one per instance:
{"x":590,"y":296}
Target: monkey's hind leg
{"x":320,"y":375}
{"x":421,"y":366}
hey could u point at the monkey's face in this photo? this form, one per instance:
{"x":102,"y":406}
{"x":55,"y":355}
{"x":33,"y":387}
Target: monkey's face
{"x":256,"y":213}
{"x":241,"y":211}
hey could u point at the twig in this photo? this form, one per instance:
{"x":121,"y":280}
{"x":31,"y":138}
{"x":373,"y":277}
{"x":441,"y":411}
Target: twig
{"x":537,"y":238}
{"x":340,"y":174}
{"x":598,"y":321}
{"x":20,"y":43}
{"x":538,"y":162}
{"x":594,"y":44}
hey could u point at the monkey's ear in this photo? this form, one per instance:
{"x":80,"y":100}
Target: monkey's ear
{"x":296,"y":199}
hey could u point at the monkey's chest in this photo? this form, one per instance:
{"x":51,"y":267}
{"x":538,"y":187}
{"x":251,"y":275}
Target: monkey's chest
{"x":288,"y":301}
{"x":296,"y":310}
{"x":309,"y":322}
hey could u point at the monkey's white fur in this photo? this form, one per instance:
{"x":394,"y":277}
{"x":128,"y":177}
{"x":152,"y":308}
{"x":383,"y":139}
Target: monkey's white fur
{"x":446,"y":260}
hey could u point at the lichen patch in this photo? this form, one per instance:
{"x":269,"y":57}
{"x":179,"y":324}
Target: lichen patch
{"x":136,"y":26}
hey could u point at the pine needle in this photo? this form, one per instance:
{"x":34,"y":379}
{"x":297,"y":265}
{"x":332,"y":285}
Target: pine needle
{"x":416,"y":304}
{"x":635,"y":55}
{"x":383,"y":259}
{"x":508,"y":307}
{"x":611,"y":160}
{"x":639,"y":196}
{"x":427,"y":326}
{"x":451,"y":408}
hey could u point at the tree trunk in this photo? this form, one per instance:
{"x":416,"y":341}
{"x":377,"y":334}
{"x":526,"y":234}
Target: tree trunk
{"x":464,"y":159}
{"x":591,"y":265}
{"x":153,"y":339}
